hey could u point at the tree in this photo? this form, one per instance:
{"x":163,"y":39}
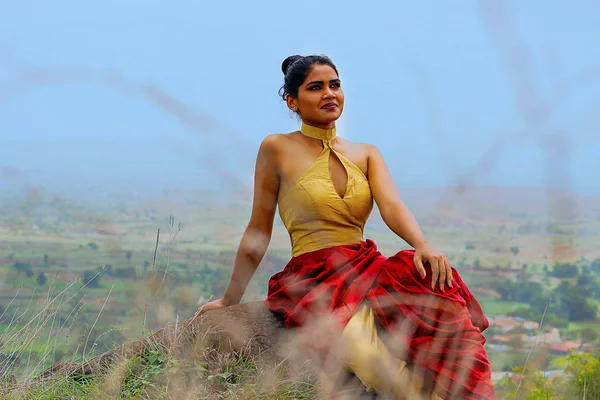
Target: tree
{"x":595,"y":266}
{"x":46,"y":260}
{"x":516,"y":342}
{"x":91,"y":279}
{"x":578,"y":307}
{"x":531,"y":385}
{"x":23,"y":267}
{"x":585,"y":371}
{"x":520,"y":312}
{"x":126,"y":272}
{"x":108,"y":270}
{"x":41,"y":279}
{"x":515,"y":250}
{"x":565,"y":270}
{"x":505,"y":288}
{"x":527,"y":292}
{"x":128,"y":255}
{"x":588,"y":335}
{"x":524,"y":291}
{"x":586,"y":285}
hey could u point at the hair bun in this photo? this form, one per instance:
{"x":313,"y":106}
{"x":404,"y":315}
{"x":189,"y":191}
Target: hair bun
{"x":289,"y":61}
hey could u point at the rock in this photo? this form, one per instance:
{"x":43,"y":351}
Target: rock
{"x":248,"y":328}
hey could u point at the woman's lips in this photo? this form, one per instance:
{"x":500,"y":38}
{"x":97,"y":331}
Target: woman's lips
{"x":329,"y":106}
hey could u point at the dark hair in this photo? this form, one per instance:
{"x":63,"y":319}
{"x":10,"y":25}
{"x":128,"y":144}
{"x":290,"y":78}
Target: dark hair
{"x":296,"y":69}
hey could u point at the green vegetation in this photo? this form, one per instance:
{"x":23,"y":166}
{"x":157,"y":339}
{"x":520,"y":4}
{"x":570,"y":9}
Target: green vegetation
{"x":581,"y":381}
{"x":69,"y":293}
{"x":501,"y":307}
{"x":155,"y":375}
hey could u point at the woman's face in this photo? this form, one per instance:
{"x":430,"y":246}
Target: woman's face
{"x":320,"y":98}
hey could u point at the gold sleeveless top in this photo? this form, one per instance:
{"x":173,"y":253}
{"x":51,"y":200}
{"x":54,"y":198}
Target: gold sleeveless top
{"x":317,"y":217}
{"x":314,"y":214}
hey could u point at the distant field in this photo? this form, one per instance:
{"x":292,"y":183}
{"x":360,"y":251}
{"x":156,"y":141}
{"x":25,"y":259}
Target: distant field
{"x":471,"y":232}
{"x":580,"y":325}
{"x":498,"y":307}
{"x":502,"y":360}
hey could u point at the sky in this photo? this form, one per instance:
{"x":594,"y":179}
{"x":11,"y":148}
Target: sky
{"x":147,"y":95}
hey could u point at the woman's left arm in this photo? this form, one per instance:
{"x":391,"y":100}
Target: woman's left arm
{"x":402,"y":222}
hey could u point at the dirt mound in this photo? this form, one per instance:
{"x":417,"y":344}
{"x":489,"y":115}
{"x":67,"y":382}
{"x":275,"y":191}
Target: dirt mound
{"x":248,"y":328}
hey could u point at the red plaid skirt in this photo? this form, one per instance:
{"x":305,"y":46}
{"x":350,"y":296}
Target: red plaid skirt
{"x":438,"y":331}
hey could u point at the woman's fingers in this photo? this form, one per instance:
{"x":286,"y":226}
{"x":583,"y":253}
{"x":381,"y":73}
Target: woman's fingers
{"x":435,"y":271}
{"x":420,"y":267}
{"x":443,"y":271}
{"x":449,"y":276}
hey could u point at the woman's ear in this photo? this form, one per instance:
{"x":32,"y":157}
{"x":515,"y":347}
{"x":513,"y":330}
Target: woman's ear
{"x":291,"y":103}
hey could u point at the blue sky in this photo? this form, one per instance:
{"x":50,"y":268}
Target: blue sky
{"x":450,"y":92}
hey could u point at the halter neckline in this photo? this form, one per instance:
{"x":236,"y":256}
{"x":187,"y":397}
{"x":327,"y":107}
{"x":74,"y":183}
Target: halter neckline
{"x":326,"y":135}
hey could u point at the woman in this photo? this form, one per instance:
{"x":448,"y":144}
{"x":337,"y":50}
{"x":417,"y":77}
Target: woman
{"x":324,"y":187}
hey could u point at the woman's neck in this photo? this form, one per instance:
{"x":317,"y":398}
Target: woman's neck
{"x":318,"y":132}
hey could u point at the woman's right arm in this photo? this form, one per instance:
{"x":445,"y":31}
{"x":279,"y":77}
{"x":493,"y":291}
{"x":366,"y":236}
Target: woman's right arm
{"x":257,"y":235}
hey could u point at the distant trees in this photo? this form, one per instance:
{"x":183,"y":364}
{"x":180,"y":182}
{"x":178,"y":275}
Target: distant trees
{"x":586,"y":285}
{"x":524,"y":292}
{"x":91,"y":279}
{"x":595,"y":266}
{"x":568,"y":302}
{"x":581,"y":381}
{"x":589,"y":335}
{"x":585,"y":371}
{"x":25,"y":268}
{"x":41,"y":279}
{"x":565,"y":270}
{"x":214,"y":280}
{"x":577,"y":306}
{"x":521,"y":312}
{"x":571,"y":300}
{"x":515,"y":250}
{"x":123,"y":273}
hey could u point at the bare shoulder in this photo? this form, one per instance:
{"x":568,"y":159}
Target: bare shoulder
{"x":373,"y":153}
{"x":358,"y":148}
{"x":273,"y":140}
{"x":274,"y":143}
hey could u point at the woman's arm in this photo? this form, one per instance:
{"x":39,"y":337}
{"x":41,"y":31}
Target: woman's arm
{"x":257,"y":235}
{"x":402,"y":222}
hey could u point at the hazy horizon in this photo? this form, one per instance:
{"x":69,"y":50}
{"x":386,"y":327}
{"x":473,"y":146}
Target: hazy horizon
{"x":154,"y":97}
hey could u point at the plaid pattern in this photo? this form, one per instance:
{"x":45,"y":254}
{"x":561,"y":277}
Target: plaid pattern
{"x":437,"y":331}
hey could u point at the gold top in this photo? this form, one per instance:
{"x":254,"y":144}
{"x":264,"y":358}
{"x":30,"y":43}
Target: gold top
{"x":314,"y":214}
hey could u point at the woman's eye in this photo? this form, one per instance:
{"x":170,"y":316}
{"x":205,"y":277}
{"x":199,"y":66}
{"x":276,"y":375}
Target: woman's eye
{"x":314,"y":87}
{"x":336,"y":85}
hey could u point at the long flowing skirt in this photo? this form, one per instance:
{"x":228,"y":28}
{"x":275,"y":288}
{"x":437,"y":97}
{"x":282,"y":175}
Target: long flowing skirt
{"x":439,"y":332}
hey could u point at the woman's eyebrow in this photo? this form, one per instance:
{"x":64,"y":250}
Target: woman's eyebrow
{"x":321,"y":82}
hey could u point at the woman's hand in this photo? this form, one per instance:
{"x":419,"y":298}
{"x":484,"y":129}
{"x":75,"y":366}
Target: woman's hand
{"x":213,"y":305}
{"x":440,"y":266}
